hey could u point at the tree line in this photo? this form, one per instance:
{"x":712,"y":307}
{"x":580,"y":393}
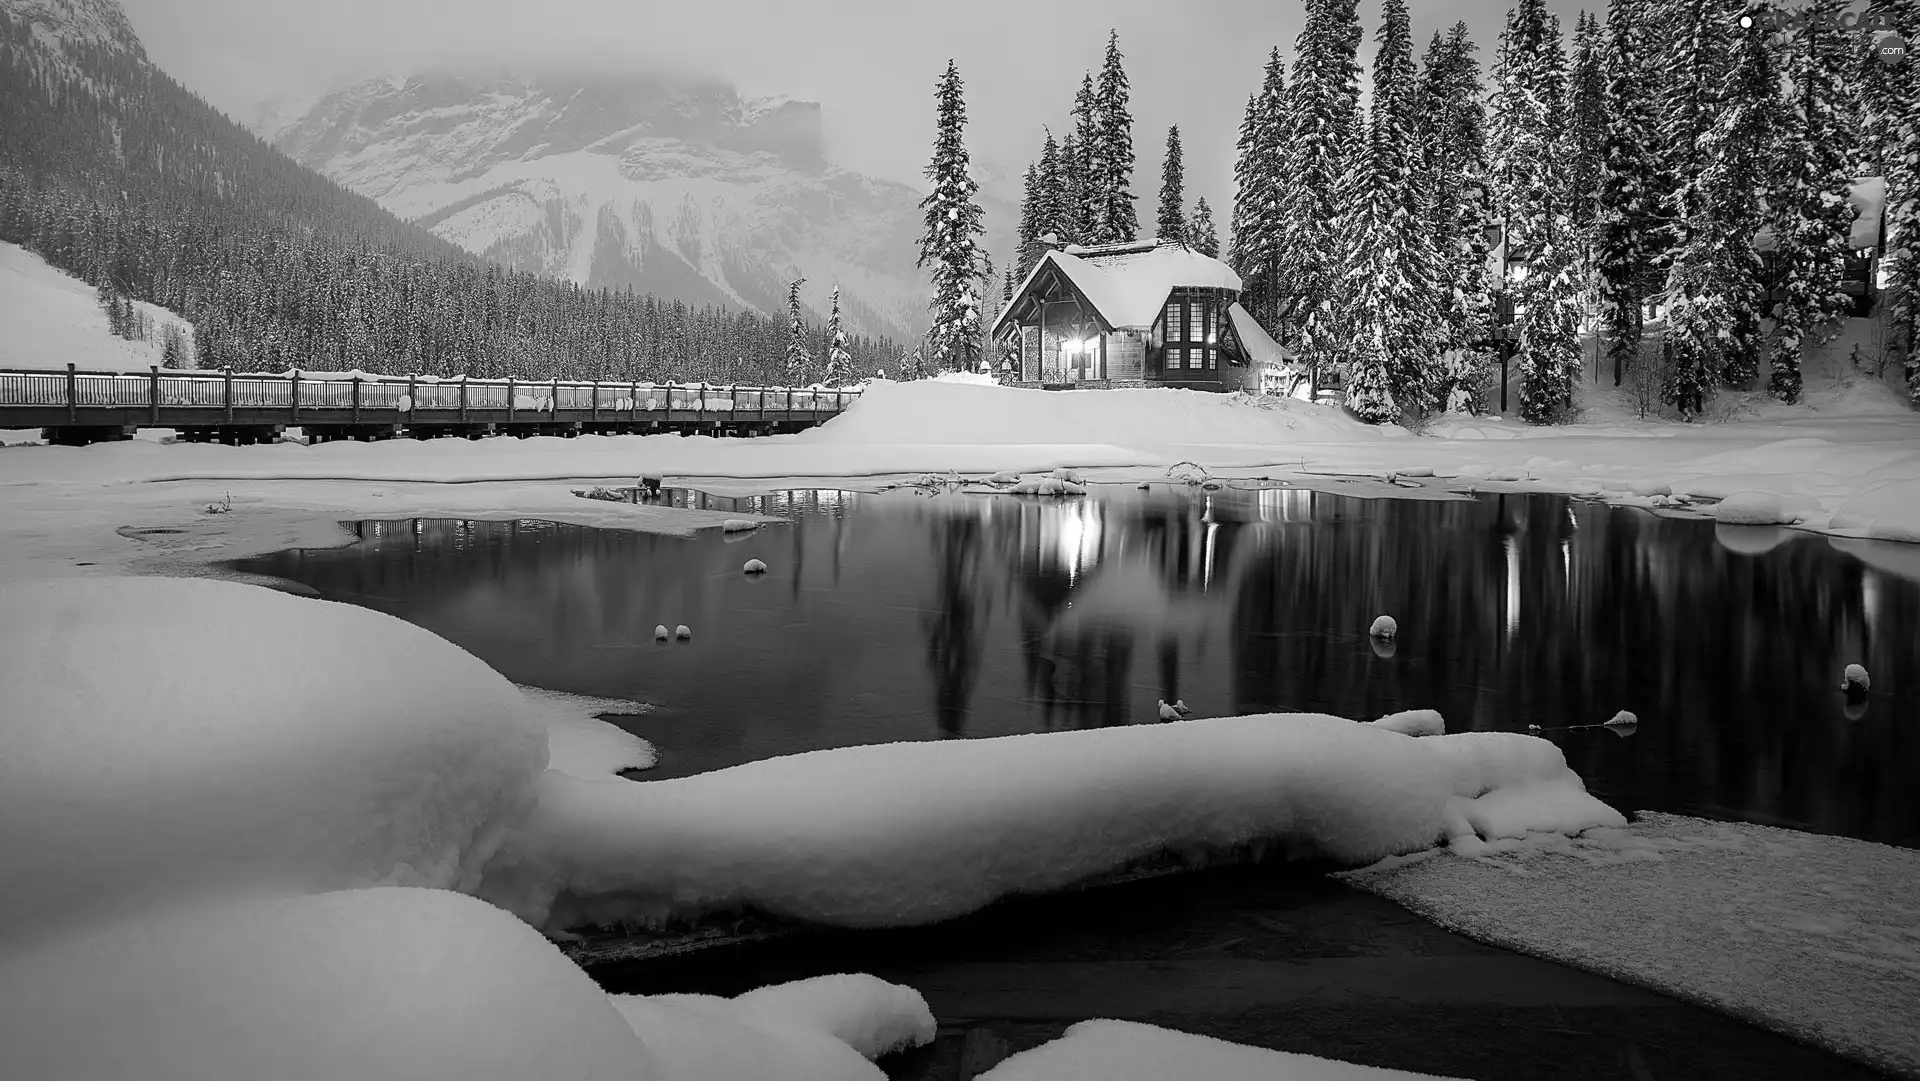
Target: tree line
{"x":1636,"y":168}
{"x":114,"y":173}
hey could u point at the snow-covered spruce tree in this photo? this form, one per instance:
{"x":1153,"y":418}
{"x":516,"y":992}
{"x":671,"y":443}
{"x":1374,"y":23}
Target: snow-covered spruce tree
{"x":1085,"y":171}
{"x":1812,"y":217}
{"x":1889,"y":97}
{"x":1451,"y":127}
{"x":839,"y":361}
{"x":1717,"y":274}
{"x":1322,"y":125}
{"x":799,"y":352}
{"x":1259,"y":216}
{"x":1070,"y":226}
{"x":1627,"y":233}
{"x":1006,"y":289}
{"x":1115,"y":218}
{"x":1171,"y":224}
{"x":1549,"y":353}
{"x":1391,"y":296}
{"x":1587,"y":115}
{"x":1699,"y":53}
{"x":1202,"y":236}
{"x":949,"y":247}
{"x":1052,"y":213}
{"x":1032,"y":207}
{"x":1529,"y":148}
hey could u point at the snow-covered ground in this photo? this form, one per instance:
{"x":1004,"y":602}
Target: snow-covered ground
{"x":1816,"y":937}
{"x":53,"y":320}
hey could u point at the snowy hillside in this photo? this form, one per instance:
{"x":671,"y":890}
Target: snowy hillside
{"x":675,"y":187}
{"x":99,"y":23}
{"x":52,"y":320}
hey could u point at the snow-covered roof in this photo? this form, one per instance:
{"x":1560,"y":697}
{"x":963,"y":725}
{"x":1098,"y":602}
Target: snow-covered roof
{"x":1128,"y":283}
{"x":1869,"y":197}
{"x":1261,"y":348}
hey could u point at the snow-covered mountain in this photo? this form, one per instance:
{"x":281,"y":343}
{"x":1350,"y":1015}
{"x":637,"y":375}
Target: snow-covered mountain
{"x":672,"y":185}
{"x":99,"y":23}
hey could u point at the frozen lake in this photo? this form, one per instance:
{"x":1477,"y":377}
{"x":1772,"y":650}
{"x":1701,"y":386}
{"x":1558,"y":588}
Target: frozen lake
{"x":902,"y":617}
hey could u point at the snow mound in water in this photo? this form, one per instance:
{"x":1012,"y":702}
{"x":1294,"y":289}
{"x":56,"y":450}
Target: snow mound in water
{"x":1127,"y":1051}
{"x":931,"y":412}
{"x":164,"y":736}
{"x":1752,"y":508}
{"x":823,"y":1029}
{"x":1414,"y":722}
{"x":374,"y":984}
{"x":912,"y":833}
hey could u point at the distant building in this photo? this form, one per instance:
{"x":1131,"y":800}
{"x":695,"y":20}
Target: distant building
{"x":1144,"y":313}
{"x":1865,"y":275}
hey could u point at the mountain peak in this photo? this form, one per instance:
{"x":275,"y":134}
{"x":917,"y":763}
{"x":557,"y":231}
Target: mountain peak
{"x":99,"y":23}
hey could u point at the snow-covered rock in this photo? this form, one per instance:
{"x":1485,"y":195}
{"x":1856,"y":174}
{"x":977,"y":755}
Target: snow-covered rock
{"x":754,"y":566}
{"x":907,"y":833}
{"x":1384,"y":627}
{"x":739,"y":525}
{"x":166,"y":736}
{"x":1622,"y":719}
{"x":661,"y":634}
{"x":1855,"y":680}
{"x":681,"y":632}
{"x":1129,"y":1051}
{"x":1751,"y":508}
{"x":1414,"y":722}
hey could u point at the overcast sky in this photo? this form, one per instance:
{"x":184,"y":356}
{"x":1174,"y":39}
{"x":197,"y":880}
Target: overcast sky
{"x":870,"y":63}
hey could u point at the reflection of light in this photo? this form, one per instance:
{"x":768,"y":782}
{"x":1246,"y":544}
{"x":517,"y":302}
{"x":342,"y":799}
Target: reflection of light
{"x":1870,"y":600}
{"x":1566,"y":562}
{"x":1286,"y":505}
{"x":1206,"y":576}
{"x":1079,"y":539}
{"x":1513,"y":588}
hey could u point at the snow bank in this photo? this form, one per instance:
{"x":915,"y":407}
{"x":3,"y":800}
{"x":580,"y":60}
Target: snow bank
{"x":1802,"y":934}
{"x":372,"y":984}
{"x":580,"y":744}
{"x":1125,"y":1051}
{"x":911,"y":833}
{"x":958,"y":414}
{"x":823,"y":1029}
{"x":1414,"y":722}
{"x":53,"y":319}
{"x":163,"y":736}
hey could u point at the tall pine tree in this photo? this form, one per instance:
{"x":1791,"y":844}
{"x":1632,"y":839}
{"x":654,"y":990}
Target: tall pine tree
{"x":1451,"y":125}
{"x":1321,"y":107}
{"x":1813,"y":217}
{"x":1202,"y":235}
{"x":1627,"y":229}
{"x":949,"y":248}
{"x":1259,"y":221}
{"x":1890,"y":139}
{"x":1114,"y":217}
{"x":1391,"y":291}
{"x":838,"y":360}
{"x":799,"y":352}
{"x":1171,"y":224}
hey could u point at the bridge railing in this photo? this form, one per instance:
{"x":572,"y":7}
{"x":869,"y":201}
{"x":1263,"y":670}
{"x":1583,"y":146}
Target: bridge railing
{"x":159,"y":389}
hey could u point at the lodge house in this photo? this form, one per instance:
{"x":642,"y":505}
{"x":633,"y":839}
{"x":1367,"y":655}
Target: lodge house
{"x":1146,"y":313}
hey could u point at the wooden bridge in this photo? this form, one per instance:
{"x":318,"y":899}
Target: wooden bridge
{"x":76,"y":408}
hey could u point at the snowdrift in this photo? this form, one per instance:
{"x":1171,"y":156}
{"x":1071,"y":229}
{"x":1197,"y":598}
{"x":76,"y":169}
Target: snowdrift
{"x":941,"y":413}
{"x":911,"y":833}
{"x":53,"y":319}
{"x":163,"y":736}
{"x":402,"y":985}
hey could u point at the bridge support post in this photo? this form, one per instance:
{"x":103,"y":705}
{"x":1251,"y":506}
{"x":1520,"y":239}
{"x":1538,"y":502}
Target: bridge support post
{"x":463,"y":399}
{"x":356,"y":399}
{"x":510,"y":401}
{"x":294,"y":398}
{"x":153,"y":395}
{"x":73,"y":401}
{"x":226,"y":390}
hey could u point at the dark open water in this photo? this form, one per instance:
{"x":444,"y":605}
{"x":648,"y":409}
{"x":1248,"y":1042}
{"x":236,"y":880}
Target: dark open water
{"x":906,"y":617}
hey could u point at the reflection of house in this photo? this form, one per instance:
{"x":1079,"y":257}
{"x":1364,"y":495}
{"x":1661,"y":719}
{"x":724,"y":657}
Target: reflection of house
{"x":1151,"y":313}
